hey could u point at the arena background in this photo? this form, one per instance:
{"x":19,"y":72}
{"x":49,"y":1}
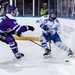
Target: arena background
{"x":29,"y":12}
{"x":65,"y":8}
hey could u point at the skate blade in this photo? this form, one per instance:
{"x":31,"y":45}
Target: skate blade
{"x":48,"y":56}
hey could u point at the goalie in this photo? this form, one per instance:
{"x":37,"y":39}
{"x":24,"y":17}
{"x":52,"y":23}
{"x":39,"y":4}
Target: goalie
{"x":50,"y":26}
{"x":9,"y":27}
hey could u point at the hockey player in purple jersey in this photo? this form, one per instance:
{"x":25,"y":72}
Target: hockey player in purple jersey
{"x":9,"y":27}
{"x":50,"y":26}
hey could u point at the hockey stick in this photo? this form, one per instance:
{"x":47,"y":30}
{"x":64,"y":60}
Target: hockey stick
{"x":33,"y":42}
{"x":49,"y":43}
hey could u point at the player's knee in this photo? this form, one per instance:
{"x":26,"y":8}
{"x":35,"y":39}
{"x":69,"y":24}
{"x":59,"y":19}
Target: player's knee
{"x":61,"y":45}
{"x":58,"y":44}
{"x":9,"y":39}
{"x":42,"y":39}
{"x":44,"y":44}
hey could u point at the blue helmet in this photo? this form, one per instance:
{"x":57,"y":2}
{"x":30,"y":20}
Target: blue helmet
{"x":10,"y":8}
{"x":53,"y":11}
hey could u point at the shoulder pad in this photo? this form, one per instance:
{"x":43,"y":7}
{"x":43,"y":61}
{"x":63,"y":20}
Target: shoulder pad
{"x":57,"y":20}
{"x":10,"y":16}
{"x":45,"y":16}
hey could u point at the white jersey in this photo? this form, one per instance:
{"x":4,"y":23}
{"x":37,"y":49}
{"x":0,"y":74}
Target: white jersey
{"x":52,"y":25}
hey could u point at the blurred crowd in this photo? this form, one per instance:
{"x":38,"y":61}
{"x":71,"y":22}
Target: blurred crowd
{"x":64,"y":7}
{"x":3,"y":9}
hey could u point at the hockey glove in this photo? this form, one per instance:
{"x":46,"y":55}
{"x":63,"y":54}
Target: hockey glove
{"x":30,"y":28}
{"x":44,"y":27}
{"x":52,"y":32}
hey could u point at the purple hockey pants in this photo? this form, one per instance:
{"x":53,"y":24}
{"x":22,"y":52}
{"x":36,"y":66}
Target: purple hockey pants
{"x":11,"y":42}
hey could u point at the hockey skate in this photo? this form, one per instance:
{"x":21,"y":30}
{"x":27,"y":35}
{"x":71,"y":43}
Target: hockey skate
{"x":47,"y":53}
{"x":19,"y":55}
{"x":70,"y":53}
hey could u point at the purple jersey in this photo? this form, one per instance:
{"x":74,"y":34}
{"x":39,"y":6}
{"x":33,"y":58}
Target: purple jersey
{"x":8,"y":23}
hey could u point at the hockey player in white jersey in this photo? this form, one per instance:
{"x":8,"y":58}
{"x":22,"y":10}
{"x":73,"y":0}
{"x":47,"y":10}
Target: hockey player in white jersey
{"x":50,"y":25}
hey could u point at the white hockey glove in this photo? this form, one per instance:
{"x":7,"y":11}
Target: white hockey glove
{"x":52,"y":32}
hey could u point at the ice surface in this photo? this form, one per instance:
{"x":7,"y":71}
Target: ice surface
{"x":34,"y":63}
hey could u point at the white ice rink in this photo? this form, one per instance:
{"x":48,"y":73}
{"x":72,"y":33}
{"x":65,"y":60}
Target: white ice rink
{"x":34,"y":63}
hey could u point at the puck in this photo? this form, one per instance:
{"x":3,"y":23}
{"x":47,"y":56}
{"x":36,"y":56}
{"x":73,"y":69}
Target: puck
{"x":67,"y":60}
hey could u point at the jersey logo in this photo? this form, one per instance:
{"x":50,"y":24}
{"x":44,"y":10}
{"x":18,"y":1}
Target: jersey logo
{"x":45,"y":21}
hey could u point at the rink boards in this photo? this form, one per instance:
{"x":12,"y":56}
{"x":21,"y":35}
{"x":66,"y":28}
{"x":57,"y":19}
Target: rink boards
{"x":67,"y":30}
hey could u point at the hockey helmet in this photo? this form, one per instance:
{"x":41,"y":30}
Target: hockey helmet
{"x":53,"y":11}
{"x":10,"y":8}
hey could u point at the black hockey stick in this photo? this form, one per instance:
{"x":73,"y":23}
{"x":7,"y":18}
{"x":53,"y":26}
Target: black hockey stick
{"x":33,"y":42}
